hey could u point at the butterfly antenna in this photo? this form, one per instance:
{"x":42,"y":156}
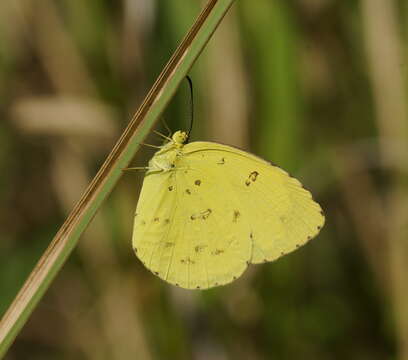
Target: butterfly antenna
{"x":169,"y":132}
{"x":190,"y":84}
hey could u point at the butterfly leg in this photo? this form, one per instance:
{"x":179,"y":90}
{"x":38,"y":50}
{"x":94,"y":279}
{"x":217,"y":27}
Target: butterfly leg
{"x":143,"y":168}
{"x":149,"y":169}
{"x":163,"y":136}
{"x":169,"y":132}
{"x":152,"y":146}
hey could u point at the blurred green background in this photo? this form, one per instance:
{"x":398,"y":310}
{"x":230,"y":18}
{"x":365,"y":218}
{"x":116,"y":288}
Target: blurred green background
{"x":317,"y":86}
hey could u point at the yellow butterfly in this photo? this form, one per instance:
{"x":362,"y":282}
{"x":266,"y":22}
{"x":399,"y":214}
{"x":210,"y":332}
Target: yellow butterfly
{"x":206,"y":211}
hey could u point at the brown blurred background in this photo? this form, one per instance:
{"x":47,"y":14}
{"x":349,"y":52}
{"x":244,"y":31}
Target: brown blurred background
{"x":317,"y":86}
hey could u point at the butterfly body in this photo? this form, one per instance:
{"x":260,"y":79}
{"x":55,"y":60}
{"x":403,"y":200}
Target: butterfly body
{"x":207,"y":210}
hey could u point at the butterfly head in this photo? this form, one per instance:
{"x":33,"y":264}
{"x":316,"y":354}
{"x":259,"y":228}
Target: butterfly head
{"x":179,"y":137}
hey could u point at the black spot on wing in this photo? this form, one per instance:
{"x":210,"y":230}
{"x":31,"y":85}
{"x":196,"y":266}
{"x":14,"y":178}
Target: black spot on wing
{"x":217,"y":252}
{"x":206,"y":214}
{"x":251,"y":178}
{"x":187,"y":261}
{"x":202,"y":215}
{"x":199,"y":248}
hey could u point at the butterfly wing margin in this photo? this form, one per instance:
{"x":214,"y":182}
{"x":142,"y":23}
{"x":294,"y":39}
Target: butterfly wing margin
{"x":281,"y":213}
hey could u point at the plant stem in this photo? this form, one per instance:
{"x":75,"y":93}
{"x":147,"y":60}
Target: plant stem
{"x":142,"y":122}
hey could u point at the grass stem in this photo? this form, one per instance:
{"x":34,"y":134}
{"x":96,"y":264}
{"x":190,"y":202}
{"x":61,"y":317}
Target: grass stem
{"x":123,"y":152}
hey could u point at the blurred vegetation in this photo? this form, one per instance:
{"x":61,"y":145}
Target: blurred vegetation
{"x":317,"y":86}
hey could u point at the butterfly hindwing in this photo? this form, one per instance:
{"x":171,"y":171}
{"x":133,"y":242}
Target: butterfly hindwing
{"x":196,"y":247}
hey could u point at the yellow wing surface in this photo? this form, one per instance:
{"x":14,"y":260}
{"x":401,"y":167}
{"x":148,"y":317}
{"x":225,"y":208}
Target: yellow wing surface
{"x":201,"y":224}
